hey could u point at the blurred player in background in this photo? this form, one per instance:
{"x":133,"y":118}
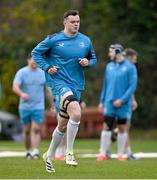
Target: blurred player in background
{"x":29,"y":84}
{"x":131,"y":55}
{"x":119,"y":84}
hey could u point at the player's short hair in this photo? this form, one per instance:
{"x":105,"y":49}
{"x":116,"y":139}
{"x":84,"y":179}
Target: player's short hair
{"x":69,"y":13}
{"x":111,"y":46}
{"x":130,"y":52}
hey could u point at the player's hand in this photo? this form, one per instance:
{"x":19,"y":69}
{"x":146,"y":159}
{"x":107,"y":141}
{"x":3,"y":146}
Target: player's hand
{"x":134,"y":105}
{"x":24,"y":96}
{"x":83,"y":62}
{"x":53,"y":70}
{"x":100,"y":108}
{"x":117,"y":103}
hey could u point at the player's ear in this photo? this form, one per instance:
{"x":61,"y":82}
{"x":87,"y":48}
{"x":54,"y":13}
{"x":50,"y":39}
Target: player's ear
{"x":64,"y":22}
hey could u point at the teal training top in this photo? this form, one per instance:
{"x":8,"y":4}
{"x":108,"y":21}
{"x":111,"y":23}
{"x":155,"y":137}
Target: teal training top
{"x":120,"y":80}
{"x":64,"y":52}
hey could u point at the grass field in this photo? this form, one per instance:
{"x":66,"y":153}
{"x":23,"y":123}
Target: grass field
{"x":88,"y":168}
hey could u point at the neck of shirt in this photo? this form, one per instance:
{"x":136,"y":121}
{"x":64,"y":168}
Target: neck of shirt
{"x":69,"y":35}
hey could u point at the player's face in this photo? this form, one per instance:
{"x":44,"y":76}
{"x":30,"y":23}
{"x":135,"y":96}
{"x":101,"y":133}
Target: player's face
{"x":111,"y":53}
{"x":72,"y":24}
{"x":32,"y":64}
{"x":133,"y":59}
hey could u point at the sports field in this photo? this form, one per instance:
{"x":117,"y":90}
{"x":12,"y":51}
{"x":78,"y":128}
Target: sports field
{"x":88,"y":168}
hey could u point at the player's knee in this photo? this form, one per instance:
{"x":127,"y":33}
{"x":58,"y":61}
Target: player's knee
{"x":76,"y":115}
{"x":109,"y":122}
{"x":67,"y":101}
{"x":27,"y":132}
{"x":65,"y":104}
{"x":36,"y":130}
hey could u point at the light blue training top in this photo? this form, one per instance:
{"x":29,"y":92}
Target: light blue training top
{"x":120,"y":81}
{"x":64,"y":51}
{"x":33,"y":83}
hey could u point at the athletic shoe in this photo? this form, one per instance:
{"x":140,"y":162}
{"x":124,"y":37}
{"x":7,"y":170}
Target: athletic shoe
{"x":48,"y":163}
{"x":28,"y":155}
{"x":60,"y":158}
{"x":132,"y":157}
{"x":121,"y":158}
{"x":70,"y":159}
{"x":102,"y":158}
{"x":36,"y":156}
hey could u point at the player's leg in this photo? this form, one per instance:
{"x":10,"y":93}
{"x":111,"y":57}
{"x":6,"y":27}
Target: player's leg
{"x":74,"y":111}
{"x":35,"y":139}
{"x":128,"y":150}
{"x":61,"y":149}
{"x":105,"y":138}
{"x":122,"y":116}
{"x":27,"y":140}
{"x":37,"y":118}
{"x":121,"y":138}
{"x":25,"y":120}
{"x":57,"y":136}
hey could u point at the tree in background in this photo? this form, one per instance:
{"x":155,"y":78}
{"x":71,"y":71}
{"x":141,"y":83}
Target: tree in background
{"x":22,"y":25}
{"x":131,"y":23}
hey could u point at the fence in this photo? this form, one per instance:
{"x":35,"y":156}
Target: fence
{"x":91,"y":123}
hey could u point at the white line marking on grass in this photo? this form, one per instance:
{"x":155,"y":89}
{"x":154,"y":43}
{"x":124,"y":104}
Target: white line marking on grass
{"x":4,"y":154}
{"x":11,"y":154}
{"x":138,"y":155}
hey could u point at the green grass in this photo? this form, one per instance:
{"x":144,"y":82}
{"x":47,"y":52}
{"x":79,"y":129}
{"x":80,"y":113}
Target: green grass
{"x":13,"y":168}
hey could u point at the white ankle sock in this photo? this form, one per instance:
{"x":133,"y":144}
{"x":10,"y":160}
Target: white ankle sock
{"x":121,"y":141}
{"x":35,"y":151}
{"x":72,"y":129}
{"x":105,"y":142}
{"x":128,"y":150}
{"x":56,"y":139}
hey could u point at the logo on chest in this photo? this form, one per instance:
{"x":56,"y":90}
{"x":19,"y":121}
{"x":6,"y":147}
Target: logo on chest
{"x":82,"y":44}
{"x":111,"y":68}
{"x":61,"y":44}
{"x":124,"y":69}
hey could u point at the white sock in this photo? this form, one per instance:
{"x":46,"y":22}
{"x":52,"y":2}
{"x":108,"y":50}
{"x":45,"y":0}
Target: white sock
{"x":72,"y":129}
{"x":121,"y":141}
{"x":35,"y":151}
{"x":108,"y":152}
{"x":56,"y":139}
{"x":105,"y":142}
{"x":128,"y":150}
